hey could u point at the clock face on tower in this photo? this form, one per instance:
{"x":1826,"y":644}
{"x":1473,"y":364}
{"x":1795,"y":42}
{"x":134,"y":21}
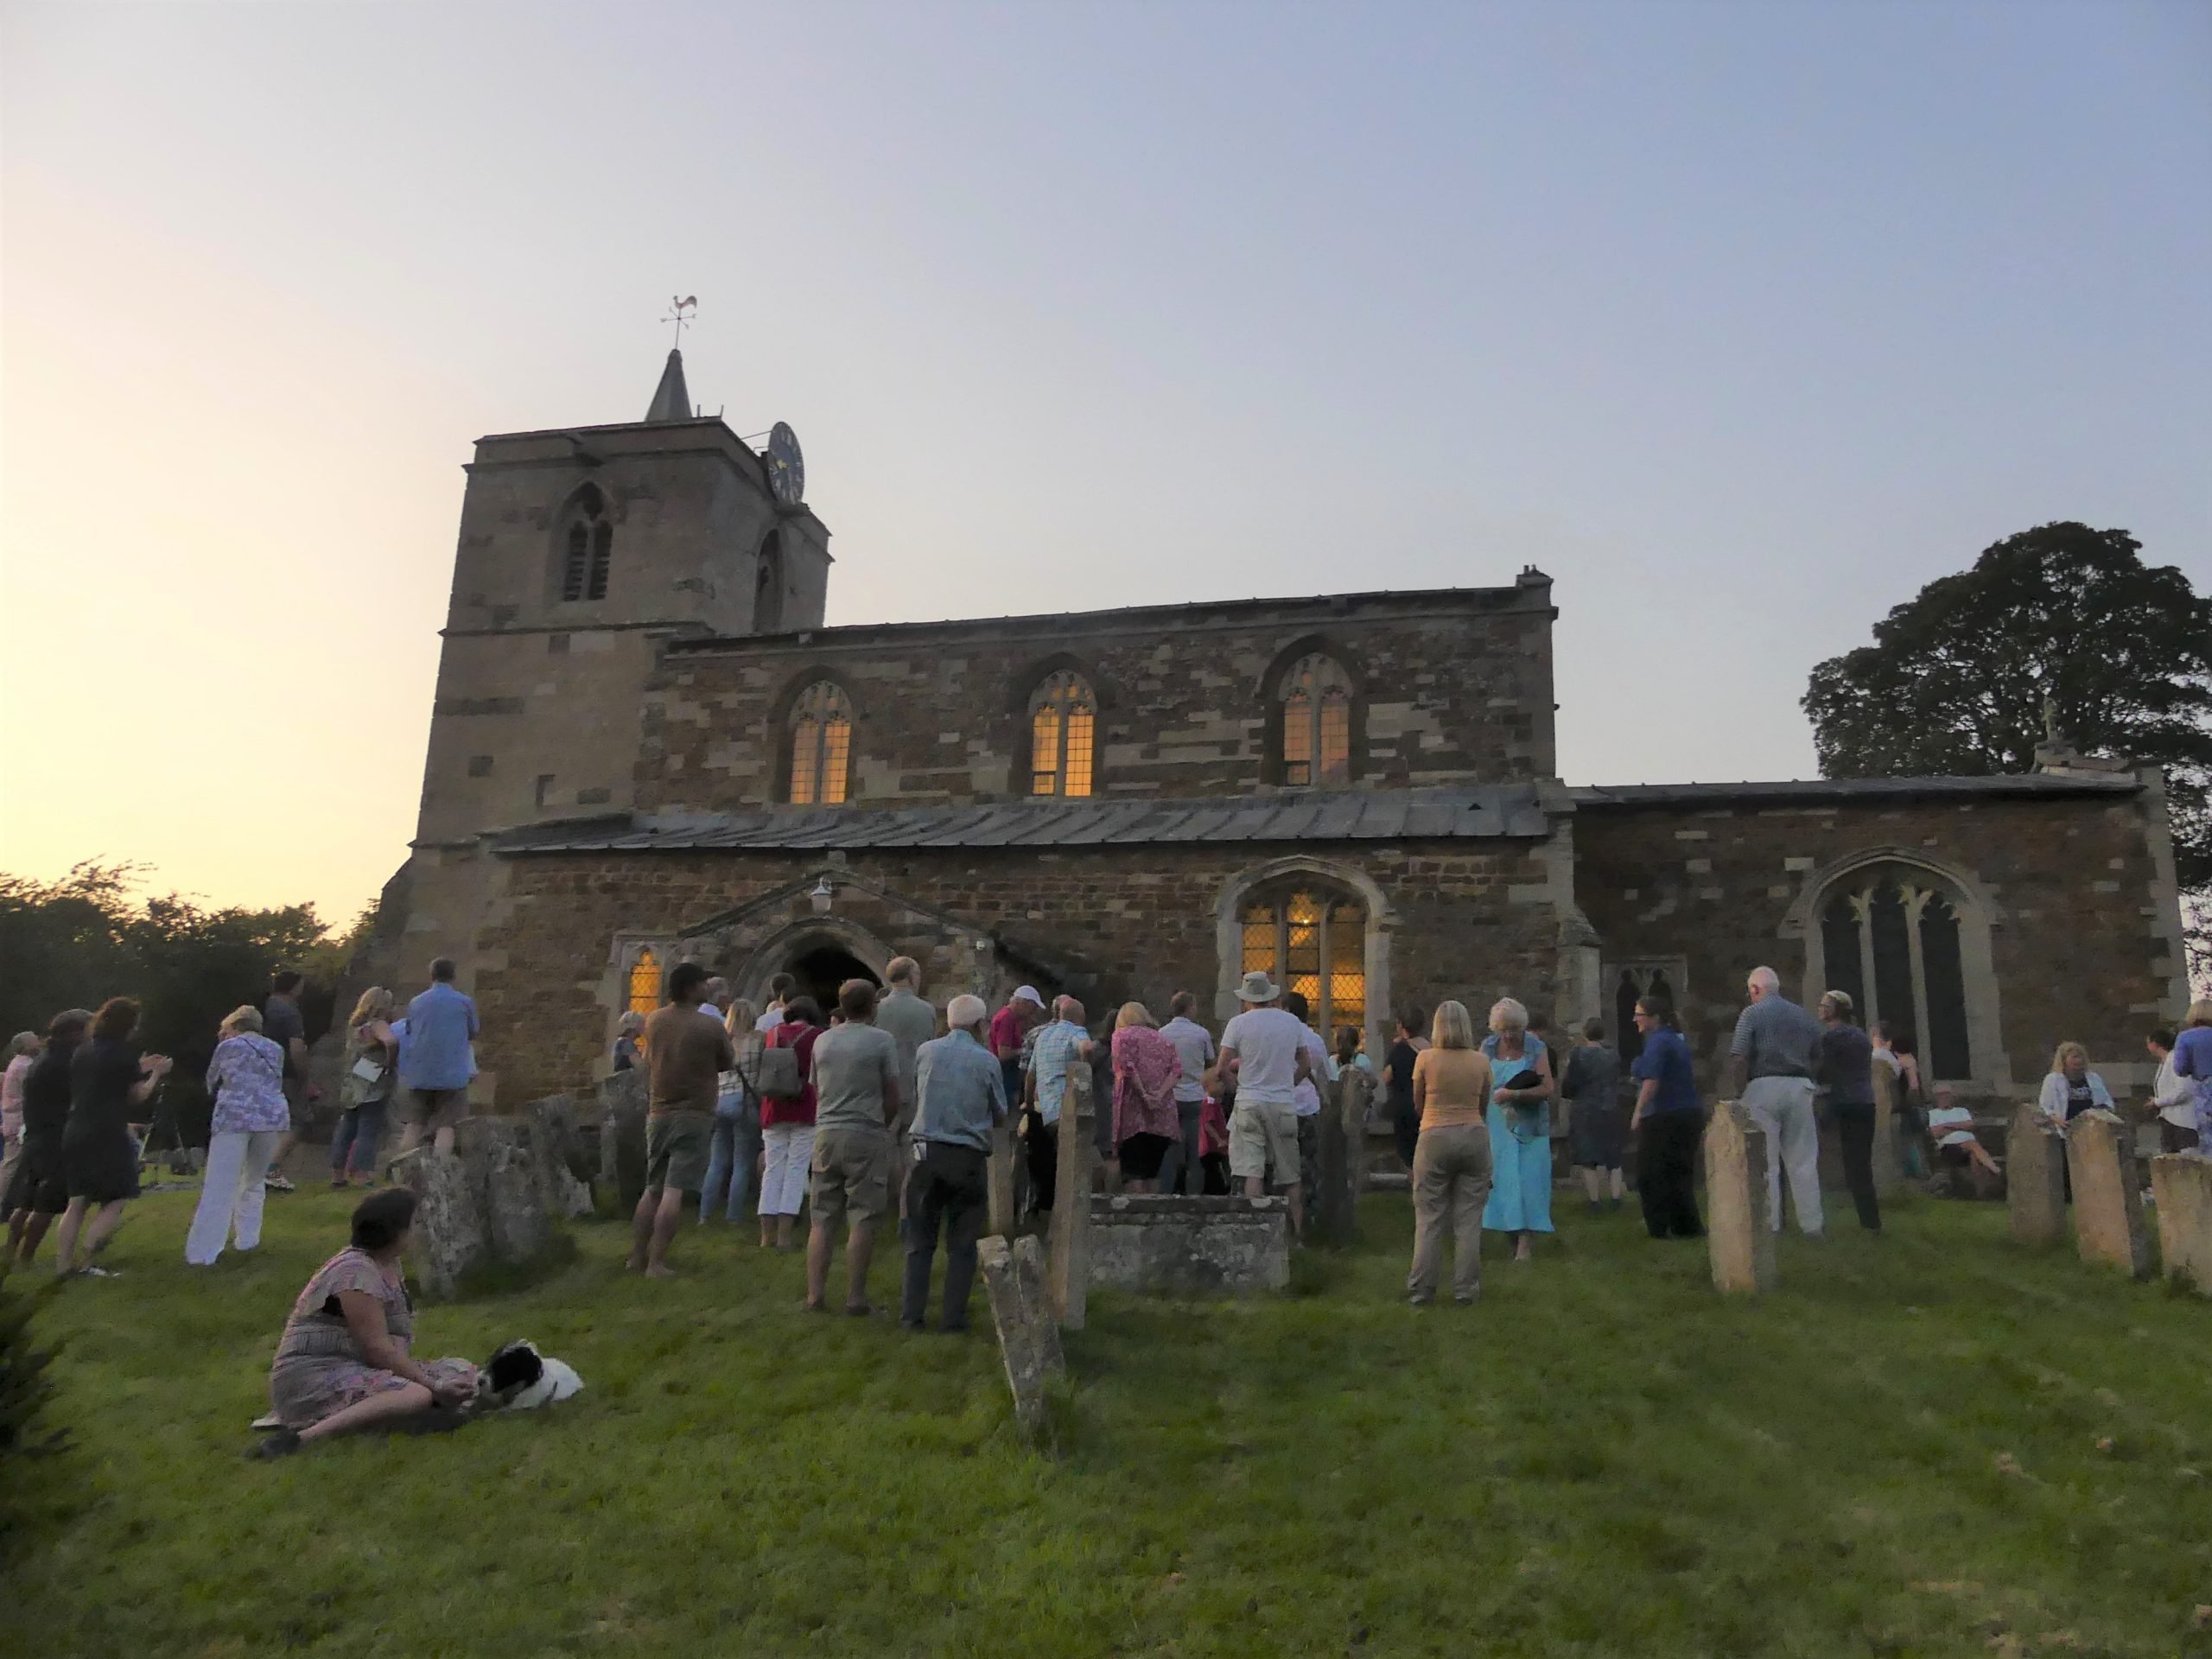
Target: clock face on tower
{"x":786,"y":468}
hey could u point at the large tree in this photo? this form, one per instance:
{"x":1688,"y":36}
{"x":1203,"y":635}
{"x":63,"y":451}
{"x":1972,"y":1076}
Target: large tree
{"x":1958,"y":677}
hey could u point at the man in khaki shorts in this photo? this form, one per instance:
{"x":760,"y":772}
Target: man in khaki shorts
{"x":857,"y":1097}
{"x":1264,"y":1049}
{"x":686,"y":1053}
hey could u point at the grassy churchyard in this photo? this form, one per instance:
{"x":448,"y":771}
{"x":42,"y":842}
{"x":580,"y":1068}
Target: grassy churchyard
{"x":1934,"y":1444}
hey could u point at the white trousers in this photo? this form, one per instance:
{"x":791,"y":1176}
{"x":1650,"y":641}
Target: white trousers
{"x":790,"y":1149}
{"x":1783,"y":1108}
{"x":231,"y":1193}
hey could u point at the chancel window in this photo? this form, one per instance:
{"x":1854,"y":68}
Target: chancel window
{"x":587,"y":547}
{"x":822,"y":744}
{"x":1316,"y":722}
{"x":644,"y":983}
{"x":1314,"y":942}
{"x":1889,"y":936}
{"x":1063,"y":731}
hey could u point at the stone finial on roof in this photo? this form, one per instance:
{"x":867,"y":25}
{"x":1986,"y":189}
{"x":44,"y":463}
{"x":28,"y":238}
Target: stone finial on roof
{"x":671,"y":398}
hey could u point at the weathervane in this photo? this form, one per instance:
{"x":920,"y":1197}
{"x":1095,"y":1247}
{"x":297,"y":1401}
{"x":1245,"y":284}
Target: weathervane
{"x":679,"y":313}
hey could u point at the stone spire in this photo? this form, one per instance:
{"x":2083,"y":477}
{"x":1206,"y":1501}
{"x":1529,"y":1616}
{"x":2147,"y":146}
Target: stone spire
{"x":671,"y":398}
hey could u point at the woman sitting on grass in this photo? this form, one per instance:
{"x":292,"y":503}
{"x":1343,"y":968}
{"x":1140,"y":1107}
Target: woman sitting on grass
{"x":343,"y":1362}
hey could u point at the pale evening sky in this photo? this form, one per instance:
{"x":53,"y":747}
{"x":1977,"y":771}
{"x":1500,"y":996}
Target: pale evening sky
{"x":1743,"y":321}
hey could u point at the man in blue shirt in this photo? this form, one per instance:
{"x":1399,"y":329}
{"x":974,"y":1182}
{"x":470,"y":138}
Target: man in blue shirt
{"x":1060,"y":1045}
{"x":436,"y":1060}
{"x":959,"y":1096}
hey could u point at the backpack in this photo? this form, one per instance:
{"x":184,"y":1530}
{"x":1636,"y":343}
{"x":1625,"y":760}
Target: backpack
{"x":779,"y":1076}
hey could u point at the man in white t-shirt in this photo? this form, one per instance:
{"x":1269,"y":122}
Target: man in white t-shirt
{"x":1194,"y":1045}
{"x":1264,"y":1050}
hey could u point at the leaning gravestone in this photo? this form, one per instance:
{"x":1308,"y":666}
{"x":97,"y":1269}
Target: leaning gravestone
{"x":1000,"y":1176}
{"x":1071,"y":1233}
{"x":2180,"y":1182}
{"x":514,"y":1211}
{"x":2035,"y":1177}
{"x":450,"y":1237}
{"x":1029,"y":1335}
{"x":2108,"y":1224}
{"x":622,"y":1136}
{"x":557,"y":1148}
{"x":1738,"y":1234}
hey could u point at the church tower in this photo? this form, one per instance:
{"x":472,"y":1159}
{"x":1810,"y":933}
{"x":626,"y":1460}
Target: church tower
{"x":580,"y":549}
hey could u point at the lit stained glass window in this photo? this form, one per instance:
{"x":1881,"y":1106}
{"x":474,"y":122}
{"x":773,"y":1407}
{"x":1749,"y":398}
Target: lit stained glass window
{"x":822,"y":745}
{"x":1063,"y":731}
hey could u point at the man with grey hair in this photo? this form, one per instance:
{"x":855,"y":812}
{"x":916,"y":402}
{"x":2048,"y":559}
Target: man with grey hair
{"x":959,"y":1098}
{"x":912,"y":1021}
{"x":1771,"y":1066}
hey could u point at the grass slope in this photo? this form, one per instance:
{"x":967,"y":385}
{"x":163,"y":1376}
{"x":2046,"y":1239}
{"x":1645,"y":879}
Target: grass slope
{"x":1897,"y":1454}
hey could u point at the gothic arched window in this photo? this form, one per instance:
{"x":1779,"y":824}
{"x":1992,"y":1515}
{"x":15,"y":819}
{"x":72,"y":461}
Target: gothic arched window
{"x":1063,"y":726}
{"x":644,"y":983}
{"x":587,"y":546}
{"x":1313,"y":941}
{"x":1316,"y":697}
{"x":822,"y":744}
{"x":1890,"y":938}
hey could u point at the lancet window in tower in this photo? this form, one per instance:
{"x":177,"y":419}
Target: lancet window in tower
{"x":1314,"y":942}
{"x":1063,"y":726}
{"x":587,"y":547}
{"x":822,"y":744}
{"x":644,"y":983}
{"x":1316,"y":722}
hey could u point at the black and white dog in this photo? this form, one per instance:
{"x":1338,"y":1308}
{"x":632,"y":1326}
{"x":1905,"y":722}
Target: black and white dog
{"x":520,"y":1378}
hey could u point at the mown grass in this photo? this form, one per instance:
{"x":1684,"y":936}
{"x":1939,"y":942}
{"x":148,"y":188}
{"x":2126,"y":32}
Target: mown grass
{"x":1897,"y":1454}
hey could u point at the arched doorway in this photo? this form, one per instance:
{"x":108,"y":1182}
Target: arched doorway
{"x":824,"y":965}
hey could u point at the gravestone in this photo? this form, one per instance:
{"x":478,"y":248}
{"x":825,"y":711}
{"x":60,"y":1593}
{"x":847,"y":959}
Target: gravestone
{"x":1004,"y":1150}
{"x":1165,"y":1244}
{"x":556,"y":1149}
{"x":2108,"y":1224}
{"x":1029,"y":1335}
{"x":1071,"y":1232}
{"x":450,"y":1237}
{"x":2035,"y":1178}
{"x":517,"y":1223}
{"x":1330,"y":1216}
{"x":622,"y":1137}
{"x":1739,"y":1237}
{"x":1889,"y":1174}
{"x":2181,"y":1183}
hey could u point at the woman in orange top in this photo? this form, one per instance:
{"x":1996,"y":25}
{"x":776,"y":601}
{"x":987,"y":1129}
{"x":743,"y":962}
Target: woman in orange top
{"x":1452,"y":1166}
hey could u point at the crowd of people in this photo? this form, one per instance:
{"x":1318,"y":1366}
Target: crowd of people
{"x":877,"y":1107}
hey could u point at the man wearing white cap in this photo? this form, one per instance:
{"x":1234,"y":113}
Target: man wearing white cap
{"x":1263,"y":1049}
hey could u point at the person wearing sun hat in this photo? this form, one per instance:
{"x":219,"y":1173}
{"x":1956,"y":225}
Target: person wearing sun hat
{"x":1264,"y":1048}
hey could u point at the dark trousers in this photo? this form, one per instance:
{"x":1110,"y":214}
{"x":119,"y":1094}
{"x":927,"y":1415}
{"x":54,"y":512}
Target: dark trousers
{"x":950,"y":1186}
{"x":1405,"y":1129}
{"x":1854,"y":1128}
{"x":1044,"y":1162}
{"x":1666,"y":1174}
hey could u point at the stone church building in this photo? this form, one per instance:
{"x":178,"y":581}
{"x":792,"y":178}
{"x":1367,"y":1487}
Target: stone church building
{"x":646,"y":747}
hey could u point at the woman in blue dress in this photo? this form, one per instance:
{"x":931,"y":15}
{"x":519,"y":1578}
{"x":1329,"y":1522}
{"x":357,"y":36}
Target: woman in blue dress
{"x":1520,"y":1129}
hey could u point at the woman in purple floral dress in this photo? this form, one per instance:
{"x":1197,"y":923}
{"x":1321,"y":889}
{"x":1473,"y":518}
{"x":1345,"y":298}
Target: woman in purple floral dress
{"x":1146,"y":1120}
{"x":343,"y":1363}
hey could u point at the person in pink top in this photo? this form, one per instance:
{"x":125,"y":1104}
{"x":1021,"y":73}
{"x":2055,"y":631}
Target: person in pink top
{"x":1146,"y":1120}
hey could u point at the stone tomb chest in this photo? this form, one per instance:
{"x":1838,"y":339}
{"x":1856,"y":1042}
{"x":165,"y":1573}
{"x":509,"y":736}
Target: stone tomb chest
{"x":1180,"y":1246}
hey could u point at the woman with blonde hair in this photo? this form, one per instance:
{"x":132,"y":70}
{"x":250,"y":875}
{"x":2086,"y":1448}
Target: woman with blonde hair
{"x":365,"y":1090}
{"x":1452,"y":1158}
{"x":734,"y":1151}
{"x":2072,"y":1088}
{"x":2192,"y":1058}
{"x":1519,"y":1128}
{"x":246,"y":1079}
{"x":1146,"y":1120}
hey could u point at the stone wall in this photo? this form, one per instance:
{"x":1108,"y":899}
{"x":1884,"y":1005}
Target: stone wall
{"x":2078,"y":938}
{"x":1109,"y":924}
{"x":1449,"y":687}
